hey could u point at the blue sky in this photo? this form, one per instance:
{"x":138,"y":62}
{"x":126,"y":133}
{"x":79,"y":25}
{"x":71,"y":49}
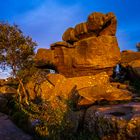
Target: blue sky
{"x":46,"y":20}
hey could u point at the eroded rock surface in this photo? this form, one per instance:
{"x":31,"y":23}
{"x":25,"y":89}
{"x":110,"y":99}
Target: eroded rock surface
{"x":90,"y":88}
{"x":87,"y":49}
{"x":114,"y":122}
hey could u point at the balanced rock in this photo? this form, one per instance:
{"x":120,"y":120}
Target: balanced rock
{"x":87,"y":49}
{"x":102,"y":24}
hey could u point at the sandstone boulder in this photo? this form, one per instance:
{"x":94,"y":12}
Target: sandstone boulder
{"x":82,"y":90}
{"x":88,"y":49}
{"x":43,"y":57}
{"x":38,"y":88}
{"x":128,"y":56}
{"x":103,"y":92}
{"x":81,"y":30}
{"x":60,"y":44}
{"x":102,"y":24}
{"x":69,"y":35}
{"x":96,"y":53}
{"x":130,"y":64}
{"x":114,"y":122}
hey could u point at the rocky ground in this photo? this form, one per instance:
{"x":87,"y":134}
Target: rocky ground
{"x":86,"y":98}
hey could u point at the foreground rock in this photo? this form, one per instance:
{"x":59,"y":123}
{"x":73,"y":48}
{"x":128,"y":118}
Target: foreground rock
{"x":114,"y":122}
{"x":87,"y":49}
{"x":86,"y":89}
{"x":8,"y":131}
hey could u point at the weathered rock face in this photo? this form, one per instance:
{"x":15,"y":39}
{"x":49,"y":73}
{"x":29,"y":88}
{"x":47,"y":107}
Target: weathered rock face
{"x":89,"y":88}
{"x":87,"y":49}
{"x":128,"y":56}
{"x":114,"y":122}
{"x":130,"y":64}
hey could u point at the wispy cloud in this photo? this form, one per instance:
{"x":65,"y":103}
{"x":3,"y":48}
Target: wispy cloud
{"x":47,"y":22}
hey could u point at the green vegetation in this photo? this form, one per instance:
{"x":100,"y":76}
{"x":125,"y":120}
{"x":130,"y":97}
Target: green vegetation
{"x":42,"y":121}
{"x":16,"y":51}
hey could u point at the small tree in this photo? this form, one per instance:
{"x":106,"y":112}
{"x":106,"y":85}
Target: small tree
{"x":15,"y":50}
{"x":138,"y":47}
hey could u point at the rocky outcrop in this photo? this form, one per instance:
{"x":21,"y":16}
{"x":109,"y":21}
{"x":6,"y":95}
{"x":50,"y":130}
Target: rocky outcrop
{"x":85,"y":88}
{"x":128,"y":56}
{"x":8,"y":131}
{"x":87,"y":49}
{"x":130,"y":64}
{"x":114,"y":122}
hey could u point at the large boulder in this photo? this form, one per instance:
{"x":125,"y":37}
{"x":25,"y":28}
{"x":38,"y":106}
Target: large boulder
{"x":103,"y":92}
{"x":96,"y":54}
{"x":88,"y":49}
{"x":89,"y":88}
{"x":114,"y":122}
{"x":102,"y":24}
{"x":39,"y":87}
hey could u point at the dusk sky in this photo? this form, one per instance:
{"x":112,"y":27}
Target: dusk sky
{"x":46,"y":20}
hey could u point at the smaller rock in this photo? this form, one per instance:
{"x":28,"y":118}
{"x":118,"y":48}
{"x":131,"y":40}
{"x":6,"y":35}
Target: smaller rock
{"x":95,"y":21}
{"x":105,"y":91}
{"x":7,"y":90}
{"x":61,"y":44}
{"x":81,"y":30}
{"x":69,"y":36}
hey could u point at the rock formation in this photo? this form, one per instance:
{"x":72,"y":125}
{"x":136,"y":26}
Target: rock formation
{"x":86,"y":89}
{"x":130,"y":64}
{"x":87,"y":49}
{"x":71,"y":99}
{"x":114,"y":122}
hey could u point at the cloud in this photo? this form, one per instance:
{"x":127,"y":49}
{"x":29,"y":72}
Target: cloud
{"x":46,"y":23}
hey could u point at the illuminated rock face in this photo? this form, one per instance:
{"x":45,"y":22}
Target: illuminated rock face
{"x":89,"y":88}
{"x":87,"y":49}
